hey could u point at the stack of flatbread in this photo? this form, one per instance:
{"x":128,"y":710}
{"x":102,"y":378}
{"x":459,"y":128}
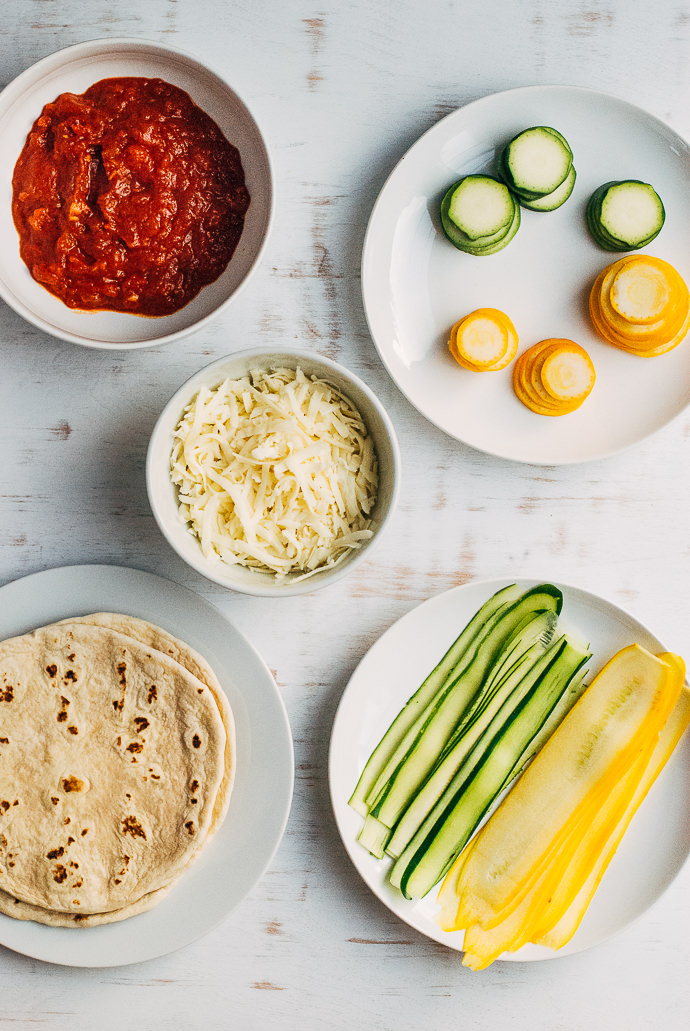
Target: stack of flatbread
{"x":117,"y":757}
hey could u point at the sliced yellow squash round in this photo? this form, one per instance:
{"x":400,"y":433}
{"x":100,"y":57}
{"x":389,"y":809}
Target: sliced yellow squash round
{"x":484,"y":341}
{"x":553,"y":377}
{"x":641,"y":290}
{"x":640,"y":304}
{"x":567,"y":372}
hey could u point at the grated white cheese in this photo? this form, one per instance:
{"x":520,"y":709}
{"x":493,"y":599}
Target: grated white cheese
{"x":275,"y":471}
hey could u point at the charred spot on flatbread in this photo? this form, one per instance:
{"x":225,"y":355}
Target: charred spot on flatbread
{"x":131,"y":826}
{"x":73,"y":783}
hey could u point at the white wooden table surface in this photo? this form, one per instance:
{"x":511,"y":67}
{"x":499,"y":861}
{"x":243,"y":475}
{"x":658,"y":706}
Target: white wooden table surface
{"x":341,"y":90}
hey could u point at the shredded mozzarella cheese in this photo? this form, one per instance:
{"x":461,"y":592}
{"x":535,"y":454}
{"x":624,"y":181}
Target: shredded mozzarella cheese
{"x":275,"y":471}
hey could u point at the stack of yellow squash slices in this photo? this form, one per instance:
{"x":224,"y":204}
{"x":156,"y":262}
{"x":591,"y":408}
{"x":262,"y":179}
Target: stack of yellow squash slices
{"x":640,"y":304}
{"x":531,"y":871}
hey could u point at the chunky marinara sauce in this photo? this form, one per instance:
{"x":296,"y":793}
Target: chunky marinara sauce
{"x":127,"y":198}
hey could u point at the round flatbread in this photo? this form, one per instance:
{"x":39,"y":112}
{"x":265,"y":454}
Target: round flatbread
{"x":155,"y":637}
{"x":112,"y":755}
{"x":19,"y":910}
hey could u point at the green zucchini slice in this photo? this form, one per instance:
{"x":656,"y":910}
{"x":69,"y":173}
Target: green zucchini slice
{"x":404,"y":727}
{"x":625,"y":215}
{"x":479,"y":206}
{"x":553,"y":200}
{"x":537,"y":161}
{"x":470,"y":795}
{"x":453,"y":703}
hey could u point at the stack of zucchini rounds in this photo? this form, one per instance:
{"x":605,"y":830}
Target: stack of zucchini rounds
{"x":625,"y":215}
{"x":538,"y":167}
{"x":480,"y":214}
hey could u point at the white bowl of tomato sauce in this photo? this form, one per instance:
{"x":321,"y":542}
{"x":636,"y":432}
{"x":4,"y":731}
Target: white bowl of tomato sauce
{"x":139,"y":194}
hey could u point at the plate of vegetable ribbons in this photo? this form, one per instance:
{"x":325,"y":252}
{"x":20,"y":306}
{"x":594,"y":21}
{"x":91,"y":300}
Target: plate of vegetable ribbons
{"x":500,"y":762}
{"x":525,"y":274}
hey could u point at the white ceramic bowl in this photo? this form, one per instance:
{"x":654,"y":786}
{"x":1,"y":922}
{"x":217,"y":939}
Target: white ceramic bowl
{"x":74,"y":70}
{"x":163,"y":495}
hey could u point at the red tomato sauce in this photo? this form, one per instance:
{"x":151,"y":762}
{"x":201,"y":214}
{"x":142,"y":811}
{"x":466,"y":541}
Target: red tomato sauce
{"x":127,"y":198}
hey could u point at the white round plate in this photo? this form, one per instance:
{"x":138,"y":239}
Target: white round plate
{"x":416,"y":284}
{"x":74,"y":70}
{"x":393,"y":669}
{"x":246,"y":842}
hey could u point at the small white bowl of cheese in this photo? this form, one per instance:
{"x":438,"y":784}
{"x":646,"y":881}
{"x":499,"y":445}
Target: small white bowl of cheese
{"x":273,"y":472}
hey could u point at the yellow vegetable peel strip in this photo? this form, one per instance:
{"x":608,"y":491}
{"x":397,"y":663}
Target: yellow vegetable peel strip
{"x":485,"y":943}
{"x":493,"y":917}
{"x":447,"y":917}
{"x":534,"y":915}
{"x":560,"y":933}
{"x":532,"y":797}
{"x":598,"y":831}
{"x":589,"y":840}
{"x":555,"y":888}
{"x":608,"y":819}
{"x":628,"y":769}
{"x":561,"y":847}
{"x":544,"y":904}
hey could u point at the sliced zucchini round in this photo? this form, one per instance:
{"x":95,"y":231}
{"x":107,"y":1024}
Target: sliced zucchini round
{"x":479,"y":215}
{"x":537,"y":161}
{"x":559,"y":136}
{"x":553,"y":200}
{"x":505,"y":173}
{"x":625,"y":215}
{"x":479,"y":206}
{"x":484,"y":248}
